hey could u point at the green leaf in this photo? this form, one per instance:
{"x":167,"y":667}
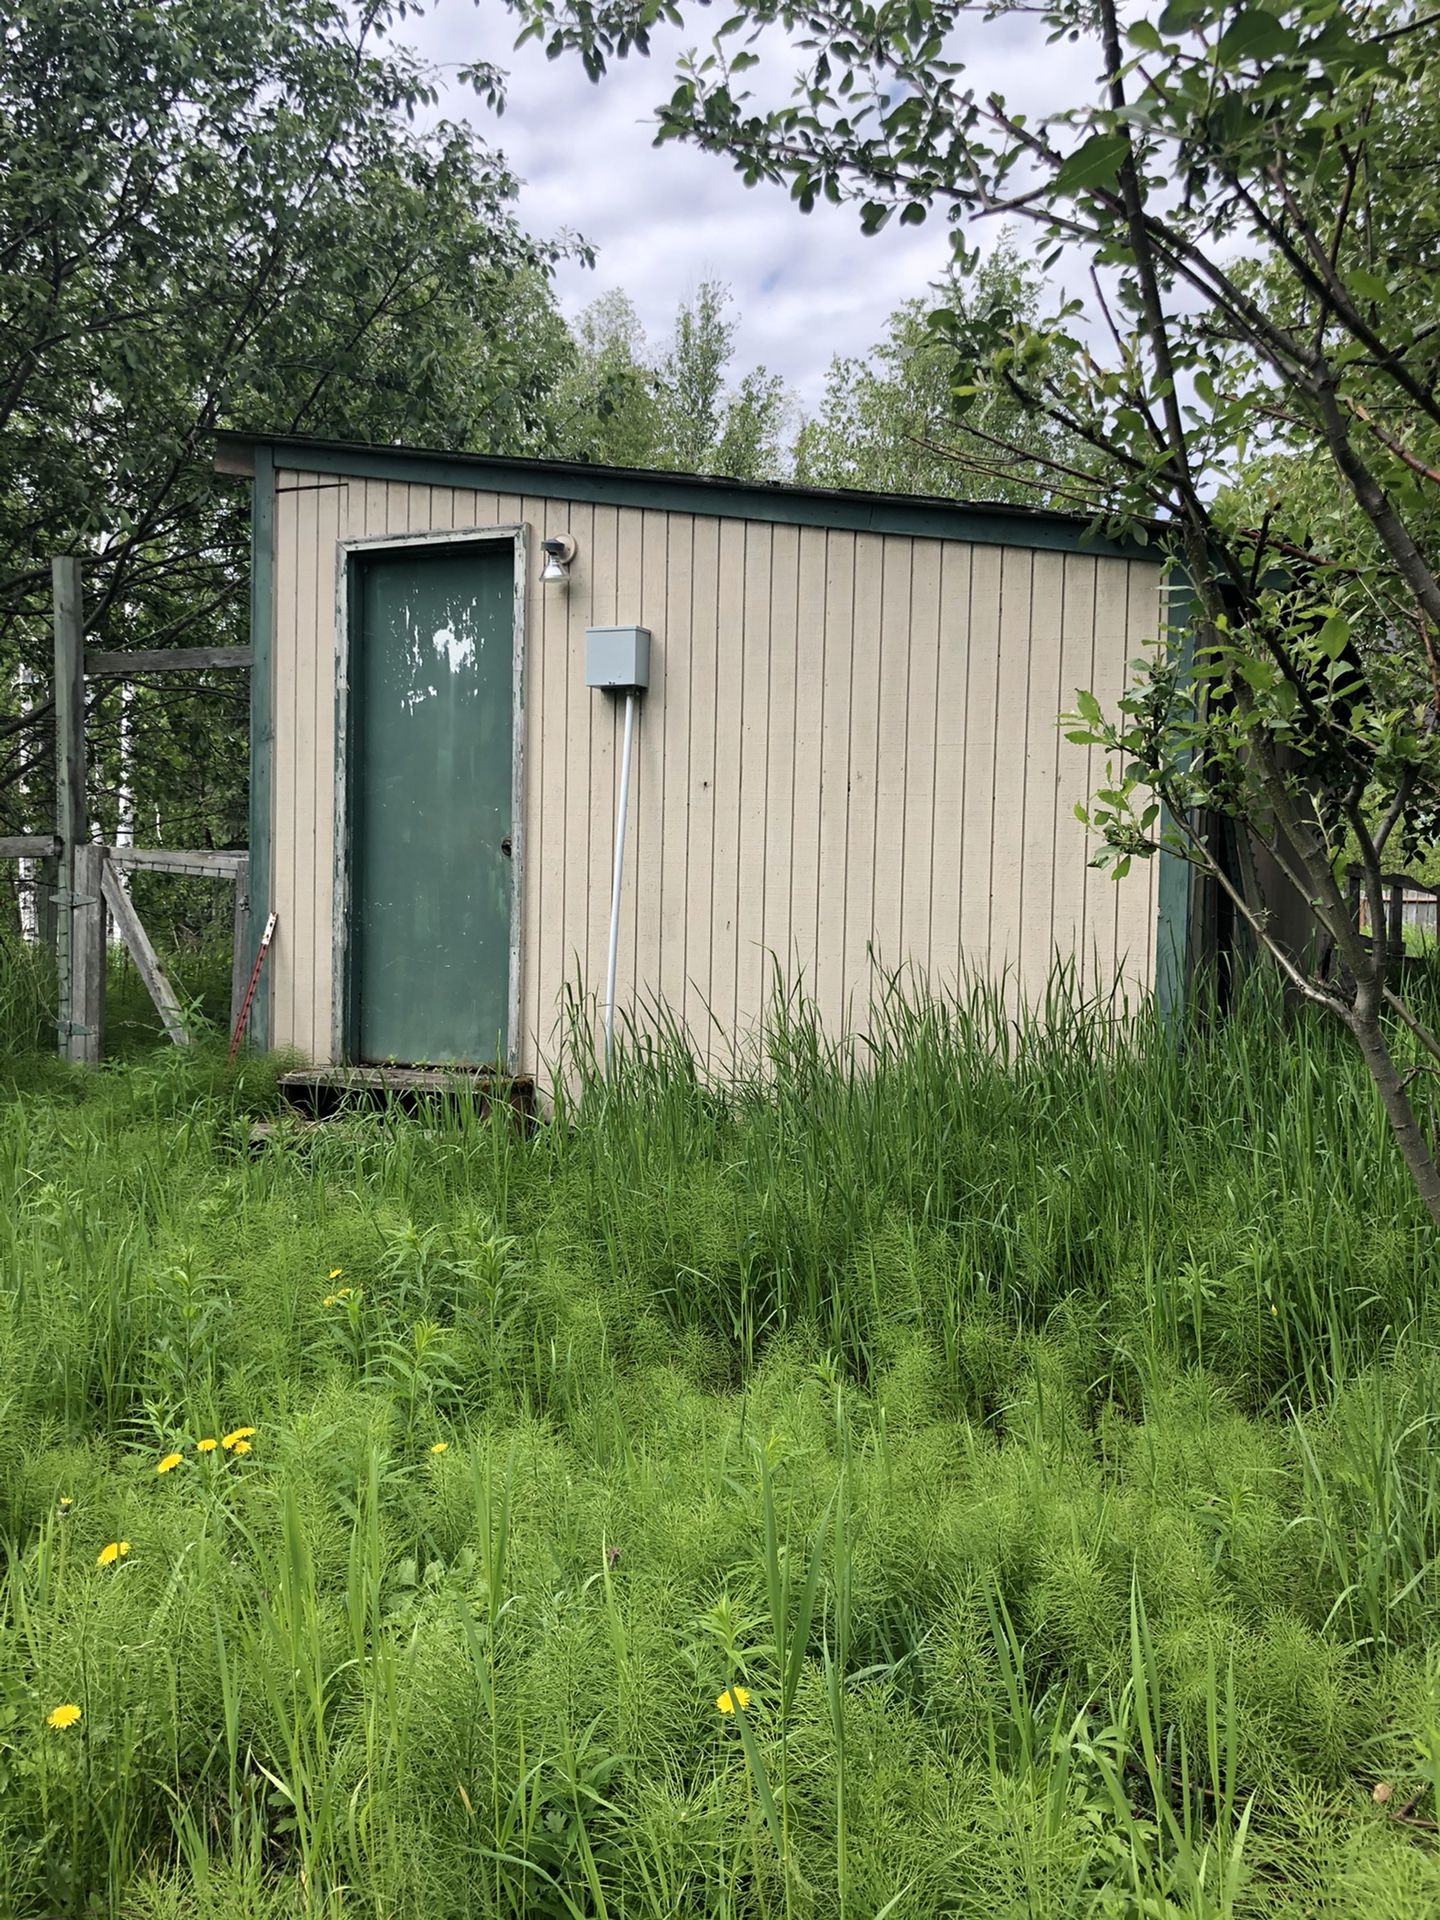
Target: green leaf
{"x":1088,"y":708}
{"x":1181,"y":14}
{"x":1094,"y":164}
{"x":1334,"y":636}
{"x":1369,"y":286}
{"x":1255,"y":35}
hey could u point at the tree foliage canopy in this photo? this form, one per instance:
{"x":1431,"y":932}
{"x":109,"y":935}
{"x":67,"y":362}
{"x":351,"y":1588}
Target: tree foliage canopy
{"x":1244,"y":190}
{"x":683,"y":409}
{"x":893,"y":422}
{"x":221,"y":212}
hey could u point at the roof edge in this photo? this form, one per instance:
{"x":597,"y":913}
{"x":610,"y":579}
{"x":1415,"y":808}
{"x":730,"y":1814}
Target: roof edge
{"x":917,"y":515}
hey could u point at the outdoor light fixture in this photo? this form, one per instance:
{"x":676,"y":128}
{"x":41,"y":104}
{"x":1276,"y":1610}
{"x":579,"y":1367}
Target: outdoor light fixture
{"x":559,"y":552}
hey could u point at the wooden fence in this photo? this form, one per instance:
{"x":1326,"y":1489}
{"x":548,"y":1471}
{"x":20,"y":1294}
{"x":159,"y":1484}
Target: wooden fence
{"x":89,"y":880}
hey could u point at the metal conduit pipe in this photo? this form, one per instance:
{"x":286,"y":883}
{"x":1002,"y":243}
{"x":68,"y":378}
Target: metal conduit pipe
{"x":622,"y":808}
{"x":617,"y":660}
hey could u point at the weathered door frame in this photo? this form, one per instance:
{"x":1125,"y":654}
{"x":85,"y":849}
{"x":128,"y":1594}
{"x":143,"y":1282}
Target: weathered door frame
{"x":349,"y":553}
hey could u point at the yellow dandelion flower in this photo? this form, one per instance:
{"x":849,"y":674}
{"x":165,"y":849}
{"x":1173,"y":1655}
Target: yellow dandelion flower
{"x":170,"y":1462}
{"x":65,"y":1503}
{"x":241,"y":1446}
{"x":440,"y":1446}
{"x":328,"y":1301}
{"x":65,"y":1715}
{"x":116,"y":1550}
{"x":231,"y":1441}
{"x":206,"y":1446}
{"x":334,"y":1273}
{"x":731,"y":1698}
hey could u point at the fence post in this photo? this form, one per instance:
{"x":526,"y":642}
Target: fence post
{"x":240,"y":952}
{"x":70,"y":824}
{"x":87,"y":956}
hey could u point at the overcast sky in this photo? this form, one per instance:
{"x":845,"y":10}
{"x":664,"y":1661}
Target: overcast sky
{"x":664,"y":219}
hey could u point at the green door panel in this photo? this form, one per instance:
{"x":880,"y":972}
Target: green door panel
{"x":431,"y":748}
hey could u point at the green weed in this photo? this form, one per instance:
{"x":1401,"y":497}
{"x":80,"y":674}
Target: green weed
{"x":1023,"y":1427}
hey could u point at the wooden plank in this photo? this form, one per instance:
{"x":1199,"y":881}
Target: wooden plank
{"x":729,"y":713}
{"x":240,"y":942}
{"x":1072,"y":877}
{"x":606,"y":718}
{"x":748,"y":798}
{"x":978,"y":811}
{"x":674,"y":781}
{"x":857,"y":823}
{"x":1110,"y":649}
{"x":262,"y":711}
{"x":777,"y":844}
{"x":132,"y":932}
{"x":919,"y":799}
{"x":807,"y":706}
{"x":837,"y":687}
{"x":951,"y":748}
{"x":1137,"y":896}
{"x":1038,"y":942}
{"x":644,"y":858}
{"x":1011,"y":796}
{"x":28,"y":846}
{"x":279,"y":987}
{"x":579,"y":840}
{"x":70,"y":824}
{"x":313,"y":723}
{"x":125,"y":664}
{"x":700,"y":915}
{"x":238,"y":461}
{"x":86,"y":1031}
{"x":529,"y":929}
{"x":897,"y":655}
{"x":325,"y":753}
{"x":202,"y":863}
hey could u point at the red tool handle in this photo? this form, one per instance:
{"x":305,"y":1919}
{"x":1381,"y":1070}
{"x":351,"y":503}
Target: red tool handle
{"x":266,"y":937}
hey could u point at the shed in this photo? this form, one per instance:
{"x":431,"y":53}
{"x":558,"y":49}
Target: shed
{"x":847,"y":756}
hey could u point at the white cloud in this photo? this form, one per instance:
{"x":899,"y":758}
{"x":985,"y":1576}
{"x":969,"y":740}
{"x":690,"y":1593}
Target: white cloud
{"x":664,"y":219}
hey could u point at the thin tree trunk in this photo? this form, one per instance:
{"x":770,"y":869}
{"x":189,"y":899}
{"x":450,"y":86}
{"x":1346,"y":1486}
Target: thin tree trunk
{"x":1398,"y":1111}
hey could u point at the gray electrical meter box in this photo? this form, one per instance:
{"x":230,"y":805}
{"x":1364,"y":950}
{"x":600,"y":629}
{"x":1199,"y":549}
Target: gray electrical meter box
{"x":617,"y":657}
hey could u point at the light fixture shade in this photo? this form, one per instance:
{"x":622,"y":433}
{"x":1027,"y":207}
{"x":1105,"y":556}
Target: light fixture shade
{"x":559,"y":552}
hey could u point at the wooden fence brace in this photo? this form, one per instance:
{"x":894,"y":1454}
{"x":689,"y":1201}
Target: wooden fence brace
{"x":124,"y":664}
{"x":204,"y":863}
{"x":70,"y":824}
{"x":132,"y":932}
{"x":28,"y":846}
{"x":86,"y":1024}
{"x":240,"y":951}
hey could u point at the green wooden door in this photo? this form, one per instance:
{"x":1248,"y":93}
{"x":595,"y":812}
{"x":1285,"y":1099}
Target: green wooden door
{"x":431,"y":755}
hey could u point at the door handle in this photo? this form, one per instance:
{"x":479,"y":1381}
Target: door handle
{"x":505,"y":846}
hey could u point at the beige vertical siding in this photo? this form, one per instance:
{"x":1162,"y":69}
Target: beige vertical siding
{"x":848,"y":759}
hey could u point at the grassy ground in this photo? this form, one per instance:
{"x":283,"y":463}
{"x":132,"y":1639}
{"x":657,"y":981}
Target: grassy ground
{"x":1031,"y":1436}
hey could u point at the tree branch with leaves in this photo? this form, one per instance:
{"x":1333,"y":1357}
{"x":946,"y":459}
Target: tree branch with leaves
{"x":1245,"y":192}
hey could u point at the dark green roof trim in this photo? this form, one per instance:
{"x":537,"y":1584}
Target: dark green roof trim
{"x":908,"y":514}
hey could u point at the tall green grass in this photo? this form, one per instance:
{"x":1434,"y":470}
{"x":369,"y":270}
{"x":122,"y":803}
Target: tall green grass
{"x":1023,"y":1427}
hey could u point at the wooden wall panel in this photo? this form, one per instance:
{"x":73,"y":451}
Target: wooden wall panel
{"x":811,"y":627}
{"x":849,"y":748}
